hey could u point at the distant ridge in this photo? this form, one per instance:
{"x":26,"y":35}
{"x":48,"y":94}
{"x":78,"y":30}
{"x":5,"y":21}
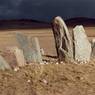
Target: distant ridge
{"x":80,"y":21}
{"x":33,"y":24}
{"x":23,"y":24}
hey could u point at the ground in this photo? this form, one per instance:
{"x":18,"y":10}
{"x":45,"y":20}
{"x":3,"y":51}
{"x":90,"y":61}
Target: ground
{"x":50,"y":79}
{"x":44,"y":79}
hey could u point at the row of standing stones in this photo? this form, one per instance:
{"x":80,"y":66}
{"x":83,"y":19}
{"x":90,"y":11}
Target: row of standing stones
{"x":72,"y":48}
{"x":28,"y":52}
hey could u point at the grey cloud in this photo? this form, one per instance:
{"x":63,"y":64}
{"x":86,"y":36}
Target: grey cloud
{"x":46,"y":9}
{"x":16,"y":3}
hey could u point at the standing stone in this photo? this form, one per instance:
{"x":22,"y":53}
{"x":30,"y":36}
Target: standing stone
{"x":24,"y":45}
{"x":19,"y":57}
{"x":3,"y":64}
{"x":36,"y":50}
{"x":93,"y":48}
{"x":82,"y":45}
{"x":63,"y":39}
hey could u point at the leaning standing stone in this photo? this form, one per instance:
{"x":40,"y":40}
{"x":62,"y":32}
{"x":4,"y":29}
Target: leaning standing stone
{"x":82,"y":45}
{"x":63,"y":40}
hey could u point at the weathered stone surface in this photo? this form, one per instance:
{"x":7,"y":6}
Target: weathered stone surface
{"x":3,"y":64}
{"x":93,"y":47}
{"x":82,"y":45}
{"x":36,"y":50}
{"x":63,"y":39}
{"x":31,"y":52}
{"x":24,"y":45}
{"x":19,"y":57}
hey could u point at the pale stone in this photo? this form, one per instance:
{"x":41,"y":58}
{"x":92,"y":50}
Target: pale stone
{"x":44,"y":81}
{"x":3,"y":64}
{"x":82,"y":45}
{"x":19,"y":57}
{"x":31,"y":52}
{"x":42,"y":51}
{"x":24,"y":45}
{"x":42,"y":63}
{"x":57,"y":63}
{"x":16,"y":69}
{"x":28,"y":81}
{"x":37,"y":57}
{"x":61,"y":62}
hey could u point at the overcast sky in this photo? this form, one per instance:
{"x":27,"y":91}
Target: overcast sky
{"x":45,"y":10}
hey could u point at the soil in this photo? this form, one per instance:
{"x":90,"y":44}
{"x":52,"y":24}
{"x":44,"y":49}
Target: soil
{"x":49,"y":79}
{"x":44,"y":79}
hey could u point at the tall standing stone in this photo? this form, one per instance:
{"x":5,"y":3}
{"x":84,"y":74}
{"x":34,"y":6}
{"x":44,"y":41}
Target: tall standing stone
{"x":36,"y":49}
{"x":24,"y":45}
{"x":63,"y":39}
{"x":81,"y":45}
{"x":31,"y":52}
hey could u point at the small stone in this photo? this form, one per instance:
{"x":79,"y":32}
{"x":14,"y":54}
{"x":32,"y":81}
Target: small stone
{"x":44,"y":81}
{"x":57,"y":63}
{"x":61,"y":62}
{"x":28,"y":81}
{"x":42,"y":51}
{"x":16,"y":69}
{"x":42,"y":63}
{"x":47,"y":63}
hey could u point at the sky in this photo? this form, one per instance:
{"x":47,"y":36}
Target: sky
{"x":45,"y":10}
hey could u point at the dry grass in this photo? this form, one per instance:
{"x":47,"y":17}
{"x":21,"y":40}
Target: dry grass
{"x":7,"y":37}
{"x":50,"y":79}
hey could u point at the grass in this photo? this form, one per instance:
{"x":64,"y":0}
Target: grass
{"x":50,"y":79}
